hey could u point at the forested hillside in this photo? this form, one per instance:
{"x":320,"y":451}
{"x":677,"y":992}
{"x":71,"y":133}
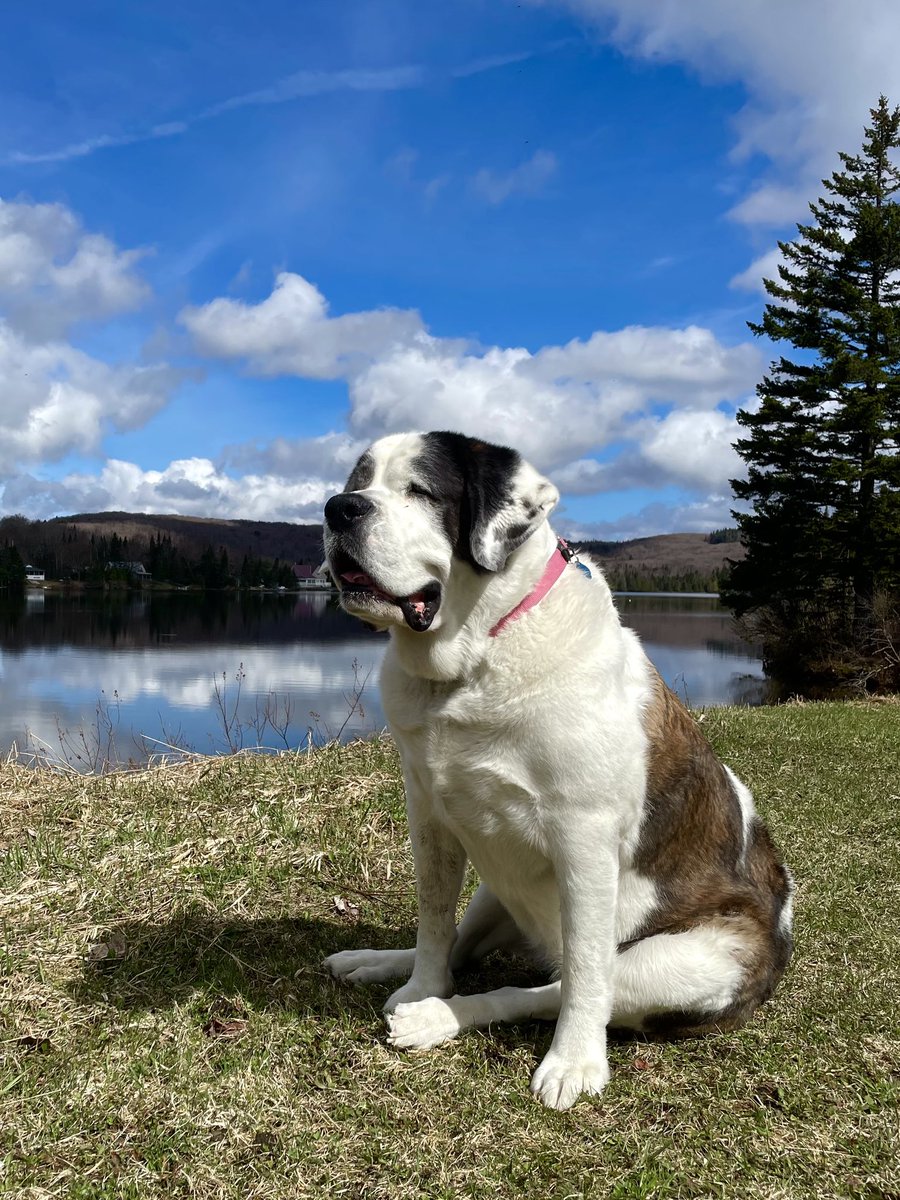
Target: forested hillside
{"x":670,"y":562}
{"x":174,"y":549}
{"x":222,"y":553}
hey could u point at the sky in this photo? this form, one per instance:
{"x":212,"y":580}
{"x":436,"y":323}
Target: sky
{"x":238,"y":242}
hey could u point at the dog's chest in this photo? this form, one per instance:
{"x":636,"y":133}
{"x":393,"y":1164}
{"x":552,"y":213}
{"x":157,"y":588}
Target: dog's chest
{"x":478,"y":761}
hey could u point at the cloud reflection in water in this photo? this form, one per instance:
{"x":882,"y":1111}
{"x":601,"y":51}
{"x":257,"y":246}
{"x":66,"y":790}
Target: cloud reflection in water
{"x":166,"y":667}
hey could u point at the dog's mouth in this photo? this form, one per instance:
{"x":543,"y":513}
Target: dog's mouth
{"x":359,"y":590}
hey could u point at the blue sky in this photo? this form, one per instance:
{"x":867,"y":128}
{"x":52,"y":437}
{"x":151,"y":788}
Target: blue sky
{"x":237,"y":242}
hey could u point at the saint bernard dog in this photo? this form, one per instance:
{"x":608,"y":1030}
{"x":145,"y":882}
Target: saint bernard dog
{"x":539,"y":744}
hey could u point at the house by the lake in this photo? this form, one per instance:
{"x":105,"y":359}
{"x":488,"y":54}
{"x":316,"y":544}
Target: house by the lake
{"x":134,"y":569}
{"x":308,"y":578}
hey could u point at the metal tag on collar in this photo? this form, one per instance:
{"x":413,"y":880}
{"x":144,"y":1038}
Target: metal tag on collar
{"x":571,"y":557}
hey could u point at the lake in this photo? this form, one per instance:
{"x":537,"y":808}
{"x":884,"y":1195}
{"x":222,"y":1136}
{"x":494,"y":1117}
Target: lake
{"x":120,"y":676}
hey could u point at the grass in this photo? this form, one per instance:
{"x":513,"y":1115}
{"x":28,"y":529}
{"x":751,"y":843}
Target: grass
{"x":166,"y":1030}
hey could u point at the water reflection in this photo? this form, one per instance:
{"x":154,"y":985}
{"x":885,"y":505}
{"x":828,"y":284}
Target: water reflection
{"x":211,"y":671}
{"x":695,"y":647}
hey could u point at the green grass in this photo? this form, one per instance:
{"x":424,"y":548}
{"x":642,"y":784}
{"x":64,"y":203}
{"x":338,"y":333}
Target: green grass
{"x":166,"y":1029}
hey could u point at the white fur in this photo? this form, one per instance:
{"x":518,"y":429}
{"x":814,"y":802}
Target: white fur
{"x":748,"y":810}
{"x":525,"y":754}
{"x":786,"y":916}
{"x":699,"y":969}
{"x":371,"y":966}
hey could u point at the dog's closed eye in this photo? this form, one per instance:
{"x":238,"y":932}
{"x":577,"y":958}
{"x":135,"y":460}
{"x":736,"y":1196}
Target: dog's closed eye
{"x":416,"y":489}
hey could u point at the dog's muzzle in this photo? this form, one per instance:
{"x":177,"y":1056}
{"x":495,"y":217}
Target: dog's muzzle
{"x":360,"y":593}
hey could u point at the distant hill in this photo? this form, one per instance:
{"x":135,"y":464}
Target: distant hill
{"x":262,"y":539}
{"x":677,"y":562}
{"x":63,"y":545}
{"x":184,"y":551}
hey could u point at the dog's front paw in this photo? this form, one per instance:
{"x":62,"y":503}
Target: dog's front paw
{"x":412,"y":992}
{"x":559,"y":1080}
{"x":421,"y":1025}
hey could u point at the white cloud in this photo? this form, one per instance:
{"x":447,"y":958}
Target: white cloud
{"x":693,"y":448}
{"x":91,"y":145}
{"x":699,"y":516}
{"x":298,"y":86}
{"x":648,"y":387}
{"x":54,"y":275}
{"x":764,"y":267}
{"x":527,"y":179}
{"x":772,"y":206}
{"x":689,"y":448}
{"x":433,"y":188}
{"x":332,"y":455}
{"x":54,"y":398}
{"x":291,"y":333}
{"x":558,"y":404}
{"x":664,"y":364}
{"x":442,"y":387}
{"x":192,"y":487}
{"x":659,"y":394}
{"x":811,"y":71}
{"x":401,"y":167}
{"x":316,"y":83}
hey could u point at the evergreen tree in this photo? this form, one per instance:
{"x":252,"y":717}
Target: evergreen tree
{"x":823,"y":473}
{"x":12,"y":568}
{"x":208,"y":568}
{"x":249,"y":573}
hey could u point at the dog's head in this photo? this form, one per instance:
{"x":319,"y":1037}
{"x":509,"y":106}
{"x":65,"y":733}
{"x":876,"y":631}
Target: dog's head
{"x":419,"y":507}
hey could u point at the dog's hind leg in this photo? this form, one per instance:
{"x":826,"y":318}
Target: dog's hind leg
{"x":486,"y":926}
{"x":429,"y":1022}
{"x":686,"y":983}
{"x":700,"y":971}
{"x":672,"y":983}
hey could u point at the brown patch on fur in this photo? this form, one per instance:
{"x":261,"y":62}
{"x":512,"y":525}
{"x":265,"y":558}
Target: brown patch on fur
{"x":692,"y":846}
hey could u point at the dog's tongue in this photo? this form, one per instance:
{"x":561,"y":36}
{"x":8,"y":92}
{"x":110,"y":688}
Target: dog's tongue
{"x":365,"y":581}
{"x":418,"y":610}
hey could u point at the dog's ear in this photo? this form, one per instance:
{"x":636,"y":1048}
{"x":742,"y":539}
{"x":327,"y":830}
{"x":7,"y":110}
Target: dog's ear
{"x":505,"y":501}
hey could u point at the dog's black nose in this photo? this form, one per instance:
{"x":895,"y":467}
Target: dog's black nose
{"x":343,"y":511}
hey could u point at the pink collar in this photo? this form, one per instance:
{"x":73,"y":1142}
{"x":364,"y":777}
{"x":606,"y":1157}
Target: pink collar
{"x":554,"y":568}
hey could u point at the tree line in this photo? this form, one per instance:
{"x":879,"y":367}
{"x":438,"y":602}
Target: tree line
{"x":628,"y":577}
{"x":624,"y":575}
{"x":66,"y":552}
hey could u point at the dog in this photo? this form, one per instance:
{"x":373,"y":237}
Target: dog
{"x":539,"y":743}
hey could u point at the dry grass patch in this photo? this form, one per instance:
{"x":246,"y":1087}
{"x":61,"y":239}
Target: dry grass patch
{"x":167,"y":1030}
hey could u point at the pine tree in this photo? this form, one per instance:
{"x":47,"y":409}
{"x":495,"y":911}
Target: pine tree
{"x":823,"y":472}
{"x":12,"y":568}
